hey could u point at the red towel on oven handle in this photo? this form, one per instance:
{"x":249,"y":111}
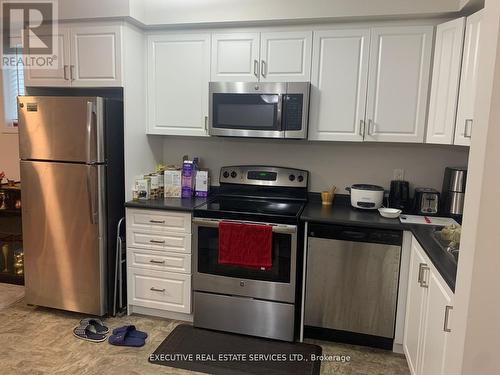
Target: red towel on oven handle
{"x":246,"y":245}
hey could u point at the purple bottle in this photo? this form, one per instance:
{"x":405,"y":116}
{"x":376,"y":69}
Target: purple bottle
{"x":187,"y":179}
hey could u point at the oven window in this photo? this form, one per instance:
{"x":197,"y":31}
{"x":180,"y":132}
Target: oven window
{"x":246,"y":111}
{"x":208,"y":255}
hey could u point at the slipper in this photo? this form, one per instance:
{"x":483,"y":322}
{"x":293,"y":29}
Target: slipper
{"x":124,"y":339}
{"x":132,"y":331}
{"x":97,"y":323}
{"x":85,"y":332}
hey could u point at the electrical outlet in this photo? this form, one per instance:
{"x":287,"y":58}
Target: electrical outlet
{"x":399,"y":174}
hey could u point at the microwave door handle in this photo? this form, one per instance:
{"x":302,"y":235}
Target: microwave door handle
{"x":279,"y":117}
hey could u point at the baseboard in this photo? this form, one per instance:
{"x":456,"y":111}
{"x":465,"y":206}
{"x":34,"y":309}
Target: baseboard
{"x":398,"y":348}
{"x":159,"y":313}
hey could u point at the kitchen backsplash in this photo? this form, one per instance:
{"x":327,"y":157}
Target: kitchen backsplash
{"x":338,"y":163}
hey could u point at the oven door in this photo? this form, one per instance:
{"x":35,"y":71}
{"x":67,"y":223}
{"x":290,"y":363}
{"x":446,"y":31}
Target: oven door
{"x":245,"y":109}
{"x":276,"y":283}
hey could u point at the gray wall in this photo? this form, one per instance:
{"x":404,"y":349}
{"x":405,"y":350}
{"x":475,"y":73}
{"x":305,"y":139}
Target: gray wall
{"x":337,"y":163}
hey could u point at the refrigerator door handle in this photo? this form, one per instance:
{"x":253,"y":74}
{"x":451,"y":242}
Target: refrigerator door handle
{"x":92,"y":195}
{"x":90,"y":123}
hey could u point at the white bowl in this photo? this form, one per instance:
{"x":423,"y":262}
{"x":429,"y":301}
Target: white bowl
{"x":390,"y":213}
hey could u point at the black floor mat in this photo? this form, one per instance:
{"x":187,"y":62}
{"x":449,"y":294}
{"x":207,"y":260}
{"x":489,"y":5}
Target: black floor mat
{"x":214,"y":352}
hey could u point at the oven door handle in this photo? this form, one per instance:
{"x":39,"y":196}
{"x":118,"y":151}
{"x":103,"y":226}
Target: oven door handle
{"x":277,"y":228}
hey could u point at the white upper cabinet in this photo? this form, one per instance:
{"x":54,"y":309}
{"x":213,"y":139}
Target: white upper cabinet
{"x":59,"y":76}
{"x":398,"y":84}
{"x":235,"y":57}
{"x":338,"y":85}
{"x":468,"y":80}
{"x":285,"y":56}
{"x":445,"y":81}
{"x":178,"y":72}
{"x":96,"y":56}
{"x":89,"y":55}
{"x":282,"y":56}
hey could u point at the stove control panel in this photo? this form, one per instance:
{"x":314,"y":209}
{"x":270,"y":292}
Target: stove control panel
{"x":264,"y":176}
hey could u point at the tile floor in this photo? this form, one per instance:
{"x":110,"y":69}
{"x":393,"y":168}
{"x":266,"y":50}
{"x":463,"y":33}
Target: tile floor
{"x":10,"y":294}
{"x":40,"y":341}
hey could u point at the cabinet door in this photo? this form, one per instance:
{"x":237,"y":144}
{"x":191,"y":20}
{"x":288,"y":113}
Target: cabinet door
{"x":415,"y":305}
{"x":445,"y":80}
{"x":468,"y":80}
{"x":398,"y":84}
{"x":59,"y":76}
{"x":338,"y":85}
{"x":178,"y":74}
{"x":235,"y":57}
{"x":437,"y":326}
{"x":169,"y":291}
{"x":96,"y":56}
{"x":285,"y":56}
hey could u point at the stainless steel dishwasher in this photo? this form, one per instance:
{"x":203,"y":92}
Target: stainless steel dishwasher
{"x":352,"y":284}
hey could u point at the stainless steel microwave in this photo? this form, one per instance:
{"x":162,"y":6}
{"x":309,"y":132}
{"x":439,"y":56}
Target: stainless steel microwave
{"x":263,"y":110}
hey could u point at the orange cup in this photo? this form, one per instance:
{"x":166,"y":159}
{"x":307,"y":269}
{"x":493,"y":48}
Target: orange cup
{"x":327,"y":198}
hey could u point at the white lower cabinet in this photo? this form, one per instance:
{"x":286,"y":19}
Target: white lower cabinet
{"x":159,"y":262}
{"x":428,"y":313}
{"x":159,"y":290}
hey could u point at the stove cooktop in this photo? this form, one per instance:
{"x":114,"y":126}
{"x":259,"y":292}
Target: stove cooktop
{"x":251,"y":209}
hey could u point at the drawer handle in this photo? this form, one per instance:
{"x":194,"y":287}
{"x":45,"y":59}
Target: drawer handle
{"x":157,"y":221}
{"x":156,"y":241}
{"x":157,"y":261}
{"x":156,"y":290}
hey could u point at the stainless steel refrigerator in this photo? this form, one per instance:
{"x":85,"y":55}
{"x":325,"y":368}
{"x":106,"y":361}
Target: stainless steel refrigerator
{"x":71,"y":151}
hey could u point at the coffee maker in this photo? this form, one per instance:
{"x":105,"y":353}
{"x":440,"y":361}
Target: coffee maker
{"x":399,"y":195}
{"x":453,"y":192}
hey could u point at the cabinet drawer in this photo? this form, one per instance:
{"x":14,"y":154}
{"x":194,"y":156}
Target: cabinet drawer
{"x":168,"y":291}
{"x":157,"y":260}
{"x":178,"y":243}
{"x":157,"y":220}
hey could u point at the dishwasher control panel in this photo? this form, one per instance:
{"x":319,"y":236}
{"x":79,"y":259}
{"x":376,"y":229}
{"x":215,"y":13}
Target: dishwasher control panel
{"x":356,"y":234}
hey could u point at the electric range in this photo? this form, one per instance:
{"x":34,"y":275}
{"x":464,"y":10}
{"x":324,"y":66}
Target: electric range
{"x":259,"y":302}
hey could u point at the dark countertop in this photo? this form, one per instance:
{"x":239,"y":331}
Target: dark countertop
{"x":174,"y":204}
{"x":442,"y":261}
{"x":342,"y":213}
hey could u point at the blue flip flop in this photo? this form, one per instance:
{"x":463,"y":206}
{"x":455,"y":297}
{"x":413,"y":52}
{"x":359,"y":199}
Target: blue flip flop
{"x":125,"y":339}
{"x":132,"y":331}
{"x":98,"y":325}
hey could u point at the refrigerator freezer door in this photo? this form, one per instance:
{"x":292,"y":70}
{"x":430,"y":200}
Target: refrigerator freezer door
{"x":61,"y":128}
{"x":62,"y":227}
